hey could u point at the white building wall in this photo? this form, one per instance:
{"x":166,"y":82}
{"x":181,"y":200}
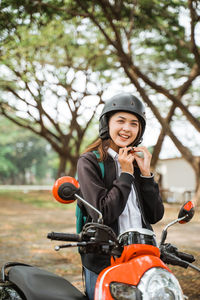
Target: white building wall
{"x":177,"y":177}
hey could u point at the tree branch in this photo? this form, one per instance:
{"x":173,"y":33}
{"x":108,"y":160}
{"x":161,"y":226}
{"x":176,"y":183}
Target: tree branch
{"x":80,"y":3}
{"x":184,"y":151}
{"x":128,"y":63}
{"x":181,"y":91}
{"x":193,"y":21}
{"x":162,"y":90}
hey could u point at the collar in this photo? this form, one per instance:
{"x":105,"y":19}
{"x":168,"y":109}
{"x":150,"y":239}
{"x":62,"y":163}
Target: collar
{"x":112,"y":153}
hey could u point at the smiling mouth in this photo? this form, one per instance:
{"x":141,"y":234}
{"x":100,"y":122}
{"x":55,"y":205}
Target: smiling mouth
{"x":124,"y":136}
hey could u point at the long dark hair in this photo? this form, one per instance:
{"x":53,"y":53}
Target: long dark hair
{"x":101,"y":146}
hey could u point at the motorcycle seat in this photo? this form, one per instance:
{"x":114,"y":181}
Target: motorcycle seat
{"x":38,"y":284}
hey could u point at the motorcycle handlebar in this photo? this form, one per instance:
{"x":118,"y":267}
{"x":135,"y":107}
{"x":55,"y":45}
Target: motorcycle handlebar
{"x":171,"y":255}
{"x":67,"y":237}
{"x":186,"y":257}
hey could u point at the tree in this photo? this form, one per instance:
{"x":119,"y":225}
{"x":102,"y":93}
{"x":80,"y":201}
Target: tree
{"x":23,"y":155}
{"x":42,"y":90}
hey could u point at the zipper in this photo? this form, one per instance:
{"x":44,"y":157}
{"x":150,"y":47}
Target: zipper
{"x":139,"y":204}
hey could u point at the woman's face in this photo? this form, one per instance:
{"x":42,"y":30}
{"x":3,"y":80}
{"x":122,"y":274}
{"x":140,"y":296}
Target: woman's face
{"x":123,"y":129}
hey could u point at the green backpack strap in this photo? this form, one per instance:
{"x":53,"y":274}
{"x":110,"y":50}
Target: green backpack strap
{"x":80,"y":217}
{"x":101,"y":165}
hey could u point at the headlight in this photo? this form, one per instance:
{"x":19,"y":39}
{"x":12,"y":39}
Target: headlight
{"x":122,"y":291}
{"x":159,"y":284}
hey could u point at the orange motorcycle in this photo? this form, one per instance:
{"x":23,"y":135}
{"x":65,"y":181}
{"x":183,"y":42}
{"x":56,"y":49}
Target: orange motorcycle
{"x":138,"y":267}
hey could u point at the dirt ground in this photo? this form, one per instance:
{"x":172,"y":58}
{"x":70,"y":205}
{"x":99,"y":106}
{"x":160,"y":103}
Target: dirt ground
{"x":23,"y":238}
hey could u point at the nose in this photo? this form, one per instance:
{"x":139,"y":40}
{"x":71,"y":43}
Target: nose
{"x":126,"y":126}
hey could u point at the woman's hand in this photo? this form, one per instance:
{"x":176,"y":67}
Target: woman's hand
{"x":126,"y":160}
{"x":144,"y":161}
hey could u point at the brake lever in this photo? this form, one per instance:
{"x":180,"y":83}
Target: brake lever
{"x":58,"y":247}
{"x":171,"y":255}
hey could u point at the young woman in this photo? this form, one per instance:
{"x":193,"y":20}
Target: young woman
{"x":127,"y":195}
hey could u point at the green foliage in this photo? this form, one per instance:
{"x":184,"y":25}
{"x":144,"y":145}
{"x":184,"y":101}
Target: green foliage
{"x":161,"y":18}
{"x":58,"y":44}
{"x":42,"y":67}
{"x":22,"y":154}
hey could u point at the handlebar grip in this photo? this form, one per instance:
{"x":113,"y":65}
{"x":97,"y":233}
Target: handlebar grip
{"x":185,"y":256}
{"x":172,"y":259}
{"x":64,"y":237}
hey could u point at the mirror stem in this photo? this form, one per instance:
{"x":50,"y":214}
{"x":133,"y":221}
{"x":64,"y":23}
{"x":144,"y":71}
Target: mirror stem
{"x":100,"y":219}
{"x":164,"y":232}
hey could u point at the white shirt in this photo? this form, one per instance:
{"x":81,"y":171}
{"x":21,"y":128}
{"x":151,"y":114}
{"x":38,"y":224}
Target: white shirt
{"x":131,"y":216}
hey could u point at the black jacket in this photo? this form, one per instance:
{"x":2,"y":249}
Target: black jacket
{"x":110,"y":195}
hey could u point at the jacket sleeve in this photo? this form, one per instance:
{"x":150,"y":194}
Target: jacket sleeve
{"x":152,"y":202}
{"x":111,"y":202}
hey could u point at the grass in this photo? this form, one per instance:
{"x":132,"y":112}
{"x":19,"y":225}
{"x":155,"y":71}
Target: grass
{"x":41,"y":199}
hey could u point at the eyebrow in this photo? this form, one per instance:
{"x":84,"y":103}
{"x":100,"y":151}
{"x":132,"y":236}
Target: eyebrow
{"x":133,"y":120}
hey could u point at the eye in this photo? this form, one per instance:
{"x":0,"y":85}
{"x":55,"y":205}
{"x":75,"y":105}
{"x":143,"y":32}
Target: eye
{"x":134,"y":124}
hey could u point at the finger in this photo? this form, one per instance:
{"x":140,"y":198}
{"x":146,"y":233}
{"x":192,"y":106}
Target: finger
{"x":142,"y":149}
{"x":139,"y":159}
{"x":136,"y":155}
{"x":131,"y":157}
{"x":121,"y":151}
{"x":125,"y":151}
{"x":131,"y":150}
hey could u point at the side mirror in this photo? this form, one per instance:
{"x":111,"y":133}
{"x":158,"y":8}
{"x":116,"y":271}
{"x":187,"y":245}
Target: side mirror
{"x":65,"y":188}
{"x":186,"y":212}
{"x":185,"y":215}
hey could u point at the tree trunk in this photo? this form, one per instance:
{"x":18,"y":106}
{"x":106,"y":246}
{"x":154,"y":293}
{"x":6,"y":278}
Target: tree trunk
{"x":62,"y":166}
{"x":158,"y":146}
{"x":72,"y":170}
{"x":157,"y":149}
